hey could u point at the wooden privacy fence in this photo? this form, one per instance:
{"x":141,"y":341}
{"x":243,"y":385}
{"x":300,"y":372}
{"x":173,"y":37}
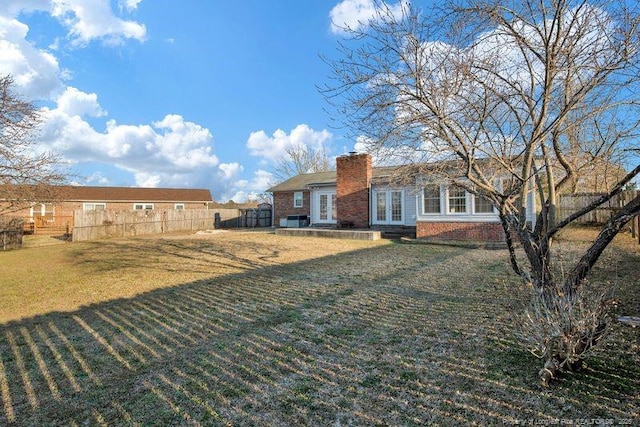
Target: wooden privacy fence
{"x":90,"y":225}
{"x":570,"y":203}
{"x":239,"y":218}
{"x":259,"y":217}
{"x":10,"y":233}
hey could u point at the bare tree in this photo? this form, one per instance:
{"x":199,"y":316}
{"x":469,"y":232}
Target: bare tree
{"x":301,"y":159}
{"x":504,"y":99}
{"x":27,"y":176}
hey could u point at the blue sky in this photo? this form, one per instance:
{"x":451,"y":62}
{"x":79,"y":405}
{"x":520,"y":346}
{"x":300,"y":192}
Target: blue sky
{"x":159,"y":93}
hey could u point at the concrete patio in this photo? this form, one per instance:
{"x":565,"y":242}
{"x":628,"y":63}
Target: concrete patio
{"x":330,"y":232}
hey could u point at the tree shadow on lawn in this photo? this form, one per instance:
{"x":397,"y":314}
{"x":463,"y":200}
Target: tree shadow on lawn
{"x":170,"y":255}
{"x":395,"y":335}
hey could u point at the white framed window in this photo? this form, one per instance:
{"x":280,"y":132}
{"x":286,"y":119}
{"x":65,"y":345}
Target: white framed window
{"x":179,"y":206}
{"x":457,"y":200}
{"x":94,"y":206}
{"x":36,"y":210}
{"x":481,"y":206}
{"x":43,"y":209}
{"x":431,"y":199}
{"x":298,"y":199}
{"x":143,"y":206}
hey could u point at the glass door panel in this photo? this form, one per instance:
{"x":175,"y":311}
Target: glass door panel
{"x":381,"y":206}
{"x":324,"y":207}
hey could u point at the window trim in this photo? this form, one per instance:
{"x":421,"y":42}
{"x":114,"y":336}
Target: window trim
{"x":475,"y":204}
{"x":178,"y":206}
{"x":448,"y":201}
{"x":145,"y":206}
{"x":298,"y":196}
{"x":439,"y":198}
{"x":85,"y":206}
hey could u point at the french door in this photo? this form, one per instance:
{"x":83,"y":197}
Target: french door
{"x":326,"y":207}
{"x":388,"y":207}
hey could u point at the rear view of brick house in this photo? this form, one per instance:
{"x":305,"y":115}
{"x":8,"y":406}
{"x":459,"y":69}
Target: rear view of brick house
{"x":361,"y":196}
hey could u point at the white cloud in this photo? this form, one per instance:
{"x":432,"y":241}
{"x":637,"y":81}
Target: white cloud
{"x":262,"y":180}
{"x":129,"y":5}
{"x":76,"y":103}
{"x":178,"y":152}
{"x":355,"y":14}
{"x":146,"y":179}
{"x":95,"y":179}
{"x":273,"y":147}
{"x":13,"y":7}
{"x":89,"y":20}
{"x":85,"y":20}
{"x":382,"y":155}
{"x":241,"y":190}
{"x":187,"y":144}
{"x":230,"y":171}
{"x":36,"y":72}
{"x":169,"y":152}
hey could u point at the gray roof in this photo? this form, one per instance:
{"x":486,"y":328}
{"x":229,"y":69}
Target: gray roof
{"x":305,"y":180}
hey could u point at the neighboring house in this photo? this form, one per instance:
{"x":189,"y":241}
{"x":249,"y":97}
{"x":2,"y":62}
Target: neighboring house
{"x":67,"y":199}
{"x":360,"y":196}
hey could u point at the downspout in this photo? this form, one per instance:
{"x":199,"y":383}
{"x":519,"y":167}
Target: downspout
{"x":370,"y":192}
{"x":273,"y":209}
{"x":310,"y":188}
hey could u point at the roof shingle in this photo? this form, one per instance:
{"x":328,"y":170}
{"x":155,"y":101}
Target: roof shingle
{"x":133,"y":194}
{"x":304,"y":181}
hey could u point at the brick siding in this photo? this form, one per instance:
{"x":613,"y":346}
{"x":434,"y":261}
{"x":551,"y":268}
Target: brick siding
{"x":352,"y":189}
{"x":67,"y":208}
{"x":283,"y":205}
{"x":479,"y":231}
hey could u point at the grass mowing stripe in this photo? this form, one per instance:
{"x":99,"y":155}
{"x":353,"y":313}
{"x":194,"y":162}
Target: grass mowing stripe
{"x":76,"y":355}
{"x":41,"y":363}
{"x":128,"y":334}
{"x":139,"y":330}
{"x":103,"y":342}
{"x":6,"y":394}
{"x":58,"y":357}
{"x":24,"y":374}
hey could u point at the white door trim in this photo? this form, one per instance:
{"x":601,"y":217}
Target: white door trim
{"x":386,"y":217}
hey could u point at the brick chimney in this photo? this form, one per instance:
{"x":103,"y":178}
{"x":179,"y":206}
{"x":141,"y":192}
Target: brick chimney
{"x":352,"y":192}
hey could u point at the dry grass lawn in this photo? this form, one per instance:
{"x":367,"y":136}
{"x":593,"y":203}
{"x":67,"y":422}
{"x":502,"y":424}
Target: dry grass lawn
{"x":257,"y":329}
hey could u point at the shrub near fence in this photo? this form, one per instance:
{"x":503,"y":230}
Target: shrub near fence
{"x":91,"y":225}
{"x":11,"y":233}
